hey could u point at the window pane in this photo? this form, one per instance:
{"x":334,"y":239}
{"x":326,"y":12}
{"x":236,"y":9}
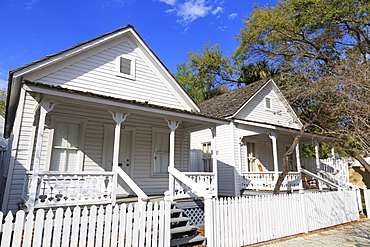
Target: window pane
{"x":58,"y":160}
{"x":158,"y":141}
{"x":165,"y":142}
{"x":71,"y":160}
{"x":73,"y":134}
{"x":165,"y":163}
{"x":125,"y":66}
{"x":60,"y":134}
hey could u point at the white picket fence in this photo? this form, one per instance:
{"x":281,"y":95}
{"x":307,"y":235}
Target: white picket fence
{"x":248,"y":220}
{"x":132,"y":225}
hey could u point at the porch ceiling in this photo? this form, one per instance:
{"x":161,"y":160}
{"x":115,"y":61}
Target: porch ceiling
{"x":191,"y":120}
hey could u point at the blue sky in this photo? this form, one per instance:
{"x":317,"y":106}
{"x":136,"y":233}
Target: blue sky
{"x":33,"y":29}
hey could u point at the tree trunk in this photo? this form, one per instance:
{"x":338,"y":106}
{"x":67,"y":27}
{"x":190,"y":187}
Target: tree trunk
{"x":285,"y":172}
{"x":357,"y":156}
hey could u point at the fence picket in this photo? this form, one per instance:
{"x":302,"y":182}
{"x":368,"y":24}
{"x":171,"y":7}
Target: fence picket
{"x":129,"y":225}
{"x":39,"y":227}
{"x":107,"y":225}
{"x":92,"y":226}
{"x":18,"y":228}
{"x":155,"y":225}
{"x":75,"y":225}
{"x":66,"y":228}
{"x":84,"y":227}
{"x":28,"y":230}
{"x":48,"y":229}
{"x":122,"y":225}
{"x":7,"y":233}
{"x":114,"y":238}
{"x":99,"y":227}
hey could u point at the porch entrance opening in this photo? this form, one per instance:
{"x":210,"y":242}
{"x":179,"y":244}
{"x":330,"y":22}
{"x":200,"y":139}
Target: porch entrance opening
{"x":125,"y":157}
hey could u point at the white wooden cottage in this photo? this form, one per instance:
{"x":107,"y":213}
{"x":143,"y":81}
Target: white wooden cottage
{"x":251,"y":147}
{"x":102,"y":119}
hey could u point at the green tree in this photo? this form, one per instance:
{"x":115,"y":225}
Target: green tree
{"x":209,"y":72}
{"x":306,"y":31}
{"x":2,"y":102}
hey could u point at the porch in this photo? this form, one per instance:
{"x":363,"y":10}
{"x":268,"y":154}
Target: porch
{"x":261,"y":163}
{"x":78,"y":158}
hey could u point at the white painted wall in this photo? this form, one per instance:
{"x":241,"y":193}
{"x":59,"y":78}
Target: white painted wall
{"x":224,"y":143}
{"x":96,"y":119}
{"x":95,"y":71}
{"x":279,"y":115}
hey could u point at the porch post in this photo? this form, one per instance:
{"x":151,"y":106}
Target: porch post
{"x":299,"y":166}
{"x":214,"y":160}
{"x":318,"y":162}
{"x":273,"y":138}
{"x":118,"y":117}
{"x":173,"y":125}
{"x":45,"y":108}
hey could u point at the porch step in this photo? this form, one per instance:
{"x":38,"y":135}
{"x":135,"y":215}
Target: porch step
{"x":182,"y":233}
{"x":198,"y":239}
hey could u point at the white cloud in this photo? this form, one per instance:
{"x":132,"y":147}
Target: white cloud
{"x":190,"y":10}
{"x":169,"y":2}
{"x":233,"y":16}
{"x":223,"y":28}
{"x":30,"y":4}
{"x":217,"y":10}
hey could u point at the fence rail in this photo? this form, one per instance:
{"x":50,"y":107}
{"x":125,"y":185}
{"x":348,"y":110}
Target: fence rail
{"x":132,"y":225}
{"x":249,"y":220}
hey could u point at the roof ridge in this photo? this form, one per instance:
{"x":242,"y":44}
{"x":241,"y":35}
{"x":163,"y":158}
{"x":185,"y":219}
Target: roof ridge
{"x":71,"y":48}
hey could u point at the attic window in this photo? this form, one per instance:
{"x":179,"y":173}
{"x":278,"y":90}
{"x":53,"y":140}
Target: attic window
{"x":125,"y":67}
{"x":268,"y":103}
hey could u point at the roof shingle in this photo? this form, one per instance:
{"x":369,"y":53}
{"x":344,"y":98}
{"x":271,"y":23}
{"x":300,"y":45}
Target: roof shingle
{"x":227,"y":104}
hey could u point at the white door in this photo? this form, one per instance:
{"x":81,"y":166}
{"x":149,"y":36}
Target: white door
{"x":124,"y":160}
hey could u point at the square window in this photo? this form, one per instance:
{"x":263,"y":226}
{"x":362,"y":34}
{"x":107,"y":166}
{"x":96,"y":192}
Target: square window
{"x":125,"y":67}
{"x":268,"y":105}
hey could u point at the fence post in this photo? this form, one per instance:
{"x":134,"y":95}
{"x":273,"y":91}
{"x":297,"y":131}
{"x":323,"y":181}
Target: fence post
{"x":359,"y":201}
{"x":208,"y":219}
{"x":167,"y":222}
{"x":304,"y":212}
{"x":367,"y":202}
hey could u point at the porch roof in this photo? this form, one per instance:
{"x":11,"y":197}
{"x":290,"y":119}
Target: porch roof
{"x":119,"y":102}
{"x":306,"y":137}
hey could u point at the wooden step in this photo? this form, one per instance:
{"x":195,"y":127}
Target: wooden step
{"x":183,"y":229}
{"x":187,"y":240}
{"x":179,"y":219}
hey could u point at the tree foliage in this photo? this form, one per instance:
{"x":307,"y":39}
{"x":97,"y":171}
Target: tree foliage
{"x":307,"y":31}
{"x":2,"y":102}
{"x":209,"y":72}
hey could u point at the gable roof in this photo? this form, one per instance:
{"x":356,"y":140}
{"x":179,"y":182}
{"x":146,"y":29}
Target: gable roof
{"x":227,"y":104}
{"x":16,"y":75}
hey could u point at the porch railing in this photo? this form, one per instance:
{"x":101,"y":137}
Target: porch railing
{"x":66,"y":189}
{"x":193,"y":184}
{"x":267,"y":181}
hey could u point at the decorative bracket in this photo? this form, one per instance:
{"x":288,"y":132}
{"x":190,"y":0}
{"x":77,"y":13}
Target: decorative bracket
{"x":173,"y":124}
{"x":119,"y":117}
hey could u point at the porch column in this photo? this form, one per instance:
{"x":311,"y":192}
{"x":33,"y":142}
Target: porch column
{"x":118,"y":117}
{"x":214,"y":160}
{"x":273,"y":138}
{"x":45,"y":107}
{"x":299,"y":166}
{"x":173,"y":125}
{"x":318,"y":169}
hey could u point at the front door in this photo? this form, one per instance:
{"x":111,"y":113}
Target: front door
{"x":124,"y":160}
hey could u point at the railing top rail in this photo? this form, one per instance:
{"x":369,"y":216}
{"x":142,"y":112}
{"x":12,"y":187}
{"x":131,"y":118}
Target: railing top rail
{"x":252,"y":173}
{"x":55,"y":173}
{"x":199,"y":173}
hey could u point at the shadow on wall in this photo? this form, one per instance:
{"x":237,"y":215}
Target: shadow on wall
{"x":359,"y":176}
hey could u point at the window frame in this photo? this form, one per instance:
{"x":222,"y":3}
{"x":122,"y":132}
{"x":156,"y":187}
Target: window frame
{"x":132,"y":75}
{"x":207,"y":159}
{"x":265,"y":102}
{"x":154,"y":132}
{"x":80,"y":150}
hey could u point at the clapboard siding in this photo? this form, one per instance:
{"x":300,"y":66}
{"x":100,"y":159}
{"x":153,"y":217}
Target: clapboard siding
{"x":96,"y":120}
{"x":20,"y":165}
{"x":97,"y":74}
{"x":225,"y":166}
{"x":279,"y":115}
